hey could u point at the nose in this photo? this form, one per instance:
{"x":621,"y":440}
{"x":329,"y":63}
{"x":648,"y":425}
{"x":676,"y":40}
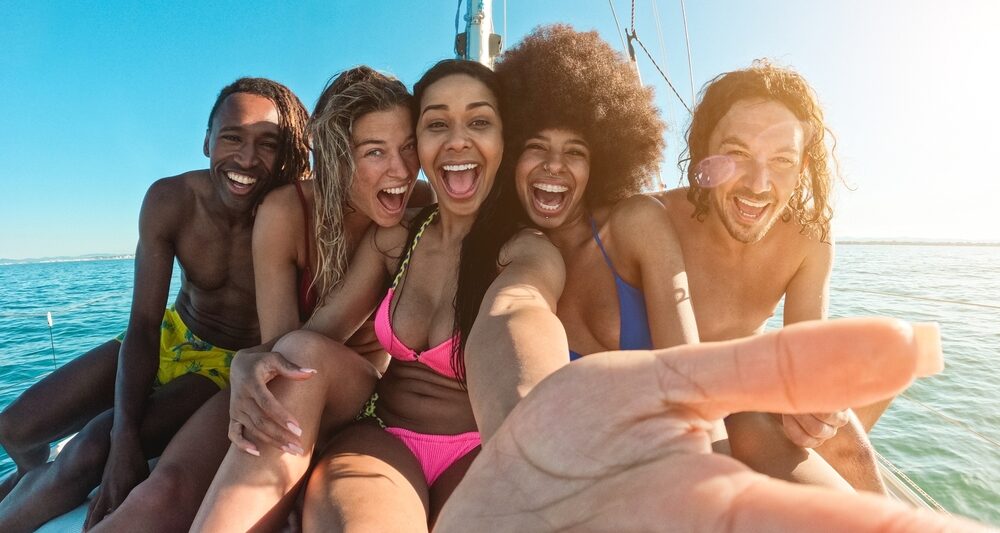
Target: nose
{"x":554,"y":162}
{"x":458,"y":139}
{"x":758,"y":178}
{"x":246,"y":156}
{"x":397,"y":166}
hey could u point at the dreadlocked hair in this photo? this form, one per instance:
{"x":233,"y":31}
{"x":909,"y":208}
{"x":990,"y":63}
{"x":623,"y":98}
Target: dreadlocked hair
{"x":810,"y":202}
{"x":347,"y":97}
{"x":292,"y":162}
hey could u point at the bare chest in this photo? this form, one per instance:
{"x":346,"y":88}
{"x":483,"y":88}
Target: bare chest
{"x":588,"y":307}
{"x":735,"y":298}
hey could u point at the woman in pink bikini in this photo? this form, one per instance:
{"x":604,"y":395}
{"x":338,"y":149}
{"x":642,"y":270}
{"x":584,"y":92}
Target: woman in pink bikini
{"x":429,"y":437}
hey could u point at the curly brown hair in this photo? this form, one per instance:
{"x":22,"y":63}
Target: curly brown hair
{"x":558,"y":77}
{"x":810,"y":202}
{"x":292,"y":163}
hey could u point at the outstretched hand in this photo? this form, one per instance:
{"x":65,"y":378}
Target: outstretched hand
{"x":255,"y":415}
{"x":620,"y":441}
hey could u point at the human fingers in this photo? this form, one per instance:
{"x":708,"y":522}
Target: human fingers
{"x":274,"y":414}
{"x":814,"y":366}
{"x":96,"y":511}
{"x":773,"y":505}
{"x":239,"y":440}
{"x":806,"y":431}
{"x":259,"y":436}
{"x":251,"y":422}
{"x":278,"y":365}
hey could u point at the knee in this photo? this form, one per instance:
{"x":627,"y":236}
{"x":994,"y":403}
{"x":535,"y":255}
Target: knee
{"x":16,"y":431}
{"x":168,"y":485}
{"x":312,"y":350}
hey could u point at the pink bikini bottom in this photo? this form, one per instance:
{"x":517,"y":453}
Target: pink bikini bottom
{"x":436,"y":453}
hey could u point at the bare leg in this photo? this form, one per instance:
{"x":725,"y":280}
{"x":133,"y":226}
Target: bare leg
{"x":55,"y":407}
{"x":246,"y":488}
{"x":367,"y":481}
{"x":169,"y":499}
{"x":446,"y":483}
{"x":851,"y":454}
{"x":57,"y":487}
{"x":758,"y":440}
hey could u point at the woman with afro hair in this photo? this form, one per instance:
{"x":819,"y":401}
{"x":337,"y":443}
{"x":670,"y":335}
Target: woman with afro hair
{"x":583,"y":137}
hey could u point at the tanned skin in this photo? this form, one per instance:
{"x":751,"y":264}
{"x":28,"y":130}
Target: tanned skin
{"x":739,"y":268}
{"x":203,"y":220}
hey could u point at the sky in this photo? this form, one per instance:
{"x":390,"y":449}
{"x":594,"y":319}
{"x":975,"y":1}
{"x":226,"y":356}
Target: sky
{"x":99,"y":102}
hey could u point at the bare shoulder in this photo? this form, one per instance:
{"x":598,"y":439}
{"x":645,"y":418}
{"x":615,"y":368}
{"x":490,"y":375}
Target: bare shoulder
{"x":529,"y":243}
{"x":170,"y":201}
{"x":283,"y":203}
{"x":632,"y":213}
{"x":391,"y":240}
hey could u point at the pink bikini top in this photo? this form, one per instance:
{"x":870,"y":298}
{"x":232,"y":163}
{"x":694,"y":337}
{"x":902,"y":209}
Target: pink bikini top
{"x":437,"y":358}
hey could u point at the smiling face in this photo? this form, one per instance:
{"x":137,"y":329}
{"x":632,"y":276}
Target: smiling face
{"x":383,"y":147}
{"x":242,"y":147}
{"x":765,"y":143}
{"x":551,"y":177}
{"x":460,"y":141}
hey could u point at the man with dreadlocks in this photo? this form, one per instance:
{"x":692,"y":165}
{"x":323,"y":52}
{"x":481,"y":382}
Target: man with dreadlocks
{"x":754,"y":226}
{"x":129,"y":396}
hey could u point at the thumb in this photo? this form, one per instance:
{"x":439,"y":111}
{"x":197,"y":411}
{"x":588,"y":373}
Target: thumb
{"x":290,"y":370}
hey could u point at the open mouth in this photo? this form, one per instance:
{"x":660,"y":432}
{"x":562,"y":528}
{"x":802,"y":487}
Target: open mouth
{"x":751,"y":210}
{"x":240,"y":183}
{"x":548,"y":198}
{"x":460,"y":181}
{"x":393,"y":199}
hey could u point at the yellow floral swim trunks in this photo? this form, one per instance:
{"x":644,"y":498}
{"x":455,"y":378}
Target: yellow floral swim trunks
{"x":182,"y":352}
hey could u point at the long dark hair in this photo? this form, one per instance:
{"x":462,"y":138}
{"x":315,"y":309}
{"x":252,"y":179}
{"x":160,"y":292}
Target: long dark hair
{"x":477,"y":264}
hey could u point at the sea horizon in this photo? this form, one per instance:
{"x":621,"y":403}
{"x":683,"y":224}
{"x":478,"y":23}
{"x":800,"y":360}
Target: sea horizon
{"x":890,"y":241}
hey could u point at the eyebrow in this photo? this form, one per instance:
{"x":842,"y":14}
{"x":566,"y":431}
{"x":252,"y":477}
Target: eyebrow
{"x":241,"y":128}
{"x":471,"y":106}
{"x":575,"y":140}
{"x":380,"y":142}
{"x":738,"y":142}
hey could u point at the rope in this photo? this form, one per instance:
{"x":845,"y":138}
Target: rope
{"x":618,"y":25}
{"x":633,"y":16}
{"x":924,"y":298}
{"x":913,"y":485}
{"x":952,"y":420}
{"x":458,"y":11}
{"x":687,"y":43}
{"x":635,"y":38}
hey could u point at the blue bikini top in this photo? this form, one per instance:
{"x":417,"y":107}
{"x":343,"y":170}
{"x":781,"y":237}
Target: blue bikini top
{"x":633,"y":334}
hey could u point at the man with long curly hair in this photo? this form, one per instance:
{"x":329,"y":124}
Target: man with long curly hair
{"x":128,"y":396}
{"x":754,"y":224}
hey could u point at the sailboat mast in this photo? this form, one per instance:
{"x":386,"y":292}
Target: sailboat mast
{"x":478,"y":42}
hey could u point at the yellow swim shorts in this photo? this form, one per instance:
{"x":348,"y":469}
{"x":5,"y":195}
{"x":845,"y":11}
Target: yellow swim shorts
{"x":182,"y":352}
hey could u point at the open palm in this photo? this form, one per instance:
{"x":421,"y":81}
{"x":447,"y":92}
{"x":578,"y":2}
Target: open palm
{"x":619,"y":441}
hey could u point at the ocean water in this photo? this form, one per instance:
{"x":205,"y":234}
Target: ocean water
{"x":943,"y":432}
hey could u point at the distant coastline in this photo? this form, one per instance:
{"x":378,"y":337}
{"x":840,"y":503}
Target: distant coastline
{"x":852,"y":241}
{"x":915,"y":242}
{"x":66,"y":259}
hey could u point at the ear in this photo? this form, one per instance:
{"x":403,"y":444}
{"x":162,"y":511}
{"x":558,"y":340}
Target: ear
{"x":204,"y":147}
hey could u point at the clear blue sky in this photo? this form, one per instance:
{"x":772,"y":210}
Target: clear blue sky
{"x":99,"y":102}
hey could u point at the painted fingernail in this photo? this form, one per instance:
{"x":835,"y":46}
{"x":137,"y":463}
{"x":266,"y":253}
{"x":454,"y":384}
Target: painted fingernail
{"x":308,"y":370}
{"x":930,"y":359}
{"x":294,"y":429}
{"x":287,"y":449}
{"x":297,"y":449}
{"x":252,"y":451}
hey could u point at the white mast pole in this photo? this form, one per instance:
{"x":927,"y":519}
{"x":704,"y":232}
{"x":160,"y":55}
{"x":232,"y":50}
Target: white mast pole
{"x":478,"y":42}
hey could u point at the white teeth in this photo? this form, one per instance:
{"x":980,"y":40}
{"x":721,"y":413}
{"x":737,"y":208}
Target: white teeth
{"x":457,"y":168}
{"x":751,"y":203}
{"x":241,"y":178}
{"x":549,"y":187}
{"x":396,"y":190}
{"x":548,"y":207}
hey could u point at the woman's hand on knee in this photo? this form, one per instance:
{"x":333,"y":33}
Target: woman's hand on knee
{"x":255,"y":415}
